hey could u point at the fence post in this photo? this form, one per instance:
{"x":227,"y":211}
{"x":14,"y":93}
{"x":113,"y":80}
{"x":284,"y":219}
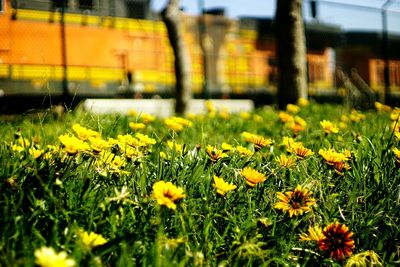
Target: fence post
{"x":65,"y":93}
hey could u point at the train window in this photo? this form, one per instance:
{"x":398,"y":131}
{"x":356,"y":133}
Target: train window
{"x":86,"y":4}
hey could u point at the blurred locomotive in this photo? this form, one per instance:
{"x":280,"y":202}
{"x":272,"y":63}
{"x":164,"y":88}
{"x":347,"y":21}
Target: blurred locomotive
{"x":119,"y":48}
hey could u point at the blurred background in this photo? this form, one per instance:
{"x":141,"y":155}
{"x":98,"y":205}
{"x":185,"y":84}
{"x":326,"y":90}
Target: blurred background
{"x":120,"y":49}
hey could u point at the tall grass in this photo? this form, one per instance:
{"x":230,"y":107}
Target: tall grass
{"x":46,"y":201}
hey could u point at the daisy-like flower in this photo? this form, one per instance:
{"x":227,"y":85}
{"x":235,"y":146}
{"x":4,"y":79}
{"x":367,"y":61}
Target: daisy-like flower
{"x":91,"y":240}
{"x":166,"y":194}
{"x":337,"y":241}
{"x":226,"y":147}
{"x":128,"y":140}
{"x":173,"y":125}
{"x":335,"y":159}
{"x":97,"y":144}
{"x":35,"y":152}
{"x":329,"y":127}
{"x":314,"y":234}
{"x":396,"y":152}
{"x":382,"y":108}
{"x":222,"y":187}
{"x":147,"y":118}
{"x":47,"y":257}
{"x":244,"y":152}
{"x":285,"y":117}
{"x":214,"y":153}
{"x":258,"y":141}
{"x":356,"y":116}
{"x":175,"y":146}
{"x":300,"y":150}
{"x":73,"y":145}
{"x":291,"y":108}
{"x":295,"y":202}
{"x":252,"y":176}
{"x":366,"y":258}
{"x":303,"y":102}
{"x":137,"y":126}
{"x":298,"y":124}
{"x":395,"y":114}
{"x":83,"y":133}
{"x":285,"y":161}
{"x":145,"y":140}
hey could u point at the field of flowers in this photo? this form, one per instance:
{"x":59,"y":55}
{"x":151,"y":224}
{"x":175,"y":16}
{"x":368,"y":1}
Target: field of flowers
{"x":315,"y":185}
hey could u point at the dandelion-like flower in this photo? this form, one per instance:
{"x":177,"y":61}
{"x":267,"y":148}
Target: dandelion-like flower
{"x":295,"y":202}
{"x":337,"y":241}
{"x":175,"y":146}
{"x":285,"y":117}
{"x":72,"y":144}
{"x":166,"y":194}
{"x":244,"y":152}
{"x":47,"y":257}
{"x":335,"y":159}
{"x":303,"y":102}
{"x":396,"y":152}
{"x":137,"y":126}
{"x":145,"y":140}
{"x":329,"y":127}
{"x":97,"y":144}
{"x":91,"y":239}
{"x":366,"y":258}
{"x":285,"y":161}
{"x":300,"y":150}
{"x":258,"y":141}
{"x":83,"y":133}
{"x":314,"y":234}
{"x":223,"y":187}
{"x":382,"y":107}
{"x":298,"y":124}
{"x":214,"y":153}
{"x":252,"y":176}
{"x":291,"y":108}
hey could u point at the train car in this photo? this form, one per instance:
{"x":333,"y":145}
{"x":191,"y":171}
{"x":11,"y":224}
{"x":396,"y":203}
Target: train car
{"x":110,"y":49}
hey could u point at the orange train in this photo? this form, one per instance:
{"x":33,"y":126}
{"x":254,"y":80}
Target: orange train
{"x":107,"y":56}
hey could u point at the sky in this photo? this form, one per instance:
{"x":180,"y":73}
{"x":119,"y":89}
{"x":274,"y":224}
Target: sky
{"x":365,"y":15}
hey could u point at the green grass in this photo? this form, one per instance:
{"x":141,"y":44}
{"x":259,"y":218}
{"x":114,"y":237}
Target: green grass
{"x":45,"y":201}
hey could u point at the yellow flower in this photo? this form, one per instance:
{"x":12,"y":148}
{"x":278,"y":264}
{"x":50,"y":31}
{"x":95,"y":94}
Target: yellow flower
{"x":382,"y":108}
{"x":300,"y":150}
{"x":72,"y":144}
{"x":314,"y":234}
{"x":244,"y":152}
{"x":295,"y":202}
{"x":258,"y":140}
{"x":394,"y":115}
{"x":356,"y":116}
{"x":137,"y":126}
{"x":147,"y":118}
{"x":364,"y":259}
{"x":173,"y":124}
{"x":286,"y":162}
{"x":257,"y":118}
{"x":47,"y":257}
{"x":289,"y":142}
{"x":166,"y":194}
{"x":226,"y":147}
{"x":35,"y":152}
{"x":252,"y":176}
{"x":84,"y":133}
{"x":329,"y":127}
{"x":145,"y":140}
{"x":303,"y":102}
{"x":129,"y":140}
{"x":209,"y":106}
{"x":336,"y":159}
{"x":285,"y":117}
{"x":175,"y":146}
{"x":292,"y":108}
{"x":396,"y":152}
{"x":214,"y":153}
{"x":222,"y":187}
{"x":224,"y":114}
{"x":91,"y":240}
{"x":97,"y":144}
{"x":297,"y":124}
{"x":244,"y":115}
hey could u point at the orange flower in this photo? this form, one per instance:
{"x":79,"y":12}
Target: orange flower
{"x":295,"y":202}
{"x":252,"y":176}
{"x":337,"y":241}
